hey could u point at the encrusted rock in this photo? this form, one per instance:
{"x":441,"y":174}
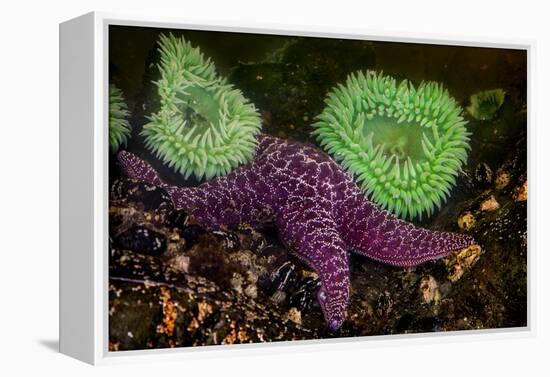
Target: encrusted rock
{"x":483,"y":175}
{"x":180,"y":263}
{"x":141,"y":239}
{"x":251,"y":239}
{"x":284,"y":278}
{"x":429,"y":290}
{"x":191,"y":234}
{"x":304,"y":298}
{"x":252,"y":276}
{"x":520,"y":193}
{"x":243,"y":257}
{"x":237,"y":282}
{"x":169,"y":313}
{"x":278,"y":297}
{"x":310,"y":274}
{"x":459,"y":262}
{"x":294,"y":315}
{"x":230,"y":240}
{"x":384,"y":304}
{"x":149,"y":196}
{"x":251,"y":291}
{"x":271,"y":253}
{"x":177,"y":219}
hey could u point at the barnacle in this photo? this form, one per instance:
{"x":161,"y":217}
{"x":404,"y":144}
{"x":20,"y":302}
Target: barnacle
{"x":403,"y":144}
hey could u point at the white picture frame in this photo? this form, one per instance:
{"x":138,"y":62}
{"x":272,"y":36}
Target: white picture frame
{"x":84,"y":191}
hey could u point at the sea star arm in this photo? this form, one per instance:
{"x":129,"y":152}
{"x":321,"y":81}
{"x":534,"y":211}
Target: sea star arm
{"x":378,"y":234}
{"x":228,"y":201}
{"x":307,"y":228}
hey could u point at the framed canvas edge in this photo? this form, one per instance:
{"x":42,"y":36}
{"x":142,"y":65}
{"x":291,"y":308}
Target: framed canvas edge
{"x":102,"y":21}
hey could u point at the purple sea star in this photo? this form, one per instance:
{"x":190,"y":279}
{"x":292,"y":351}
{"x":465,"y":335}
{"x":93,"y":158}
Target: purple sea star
{"x":320,"y":213}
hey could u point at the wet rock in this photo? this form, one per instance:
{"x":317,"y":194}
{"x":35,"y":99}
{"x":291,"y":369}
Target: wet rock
{"x":252,"y":276}
{"x":251,"y":239}
{"x":176,"y":244}
{"x":191,"y":234}
{"x":305,"y":296}
{"x":142,"y":240}
{"x":208,"y":259}
{"x":245,"y":258}
{"x":285,"y":277}
{"x":177,"y":219}
{"x":489,"y":204}
{"x":483,"y":175}
{"x":237,"y":282}
{"x":459,"y":262}
{"x":521,"y":192}
{"x":429,"y":290}
{"x":410,"y":324}
{"x":148,"y":196}
{"x":230,"y":240}
{"x":271,"y":252}
{"x":384,"y":304}
{"x":294,"y":315}
{"x":251,"y":291}
{"x":505,"y":228}
{"x":130,"y":266}
{"x":278,"y":297}
{"x":193,"y":313}
{"x":169,"y":313}
{"x":257,"y":291}
{"x":180,"y":262}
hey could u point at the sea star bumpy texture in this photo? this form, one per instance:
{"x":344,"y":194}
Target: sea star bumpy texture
{"x":320,"y":213}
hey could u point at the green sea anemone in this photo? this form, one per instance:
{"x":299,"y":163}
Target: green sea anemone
{"x":204,"y":126}
{"x":484,"y":105}
{"x":119,"y":127}
{"x":403,"y":144}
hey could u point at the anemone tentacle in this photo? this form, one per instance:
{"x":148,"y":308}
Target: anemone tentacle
{"x":403,"y":144}
{"x":119,"y":127}
{"x":204,"y":126}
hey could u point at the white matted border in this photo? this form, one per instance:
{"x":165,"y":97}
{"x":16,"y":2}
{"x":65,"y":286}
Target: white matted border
{"x":101,"y":355}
